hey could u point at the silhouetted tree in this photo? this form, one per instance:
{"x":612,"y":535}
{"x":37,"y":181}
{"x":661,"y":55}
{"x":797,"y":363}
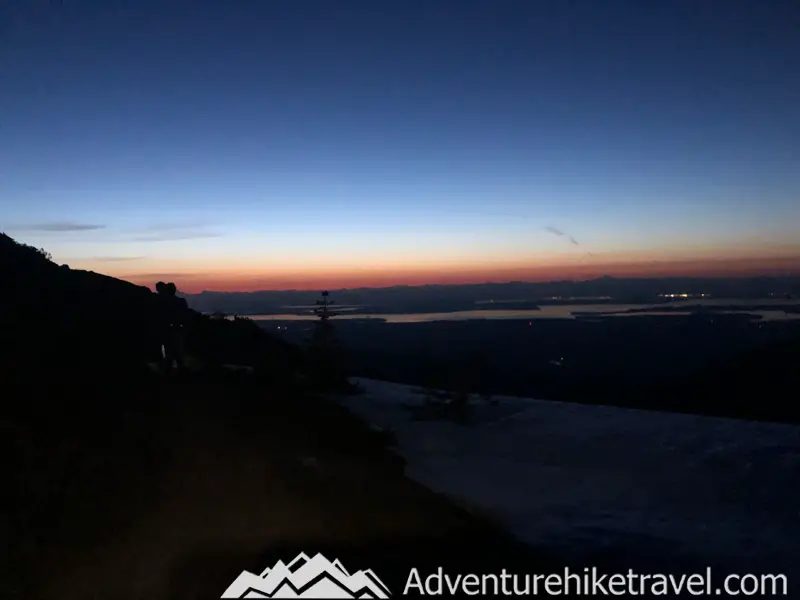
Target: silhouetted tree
{"x":44,"y":253}
{"x":325,"y":350}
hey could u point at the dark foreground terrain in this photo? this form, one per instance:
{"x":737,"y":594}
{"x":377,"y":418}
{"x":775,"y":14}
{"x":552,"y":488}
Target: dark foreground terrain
{"x":141,"y":486}
{"x":721,"y":365}
{"x":120,"y":482}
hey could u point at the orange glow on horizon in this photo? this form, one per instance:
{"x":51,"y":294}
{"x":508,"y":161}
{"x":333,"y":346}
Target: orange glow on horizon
{"x":239,"y":281}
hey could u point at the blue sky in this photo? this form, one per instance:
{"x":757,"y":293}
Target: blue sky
{"x":276,"y":140}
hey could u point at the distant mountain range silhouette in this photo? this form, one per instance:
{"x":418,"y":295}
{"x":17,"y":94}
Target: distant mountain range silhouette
{"x":306,"y":577}
{"x":445,"y":298}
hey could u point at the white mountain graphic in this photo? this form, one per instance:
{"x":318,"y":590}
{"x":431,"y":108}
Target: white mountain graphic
{"x":306,"y":577}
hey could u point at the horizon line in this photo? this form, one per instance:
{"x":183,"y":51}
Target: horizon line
{"x":511,"y":282}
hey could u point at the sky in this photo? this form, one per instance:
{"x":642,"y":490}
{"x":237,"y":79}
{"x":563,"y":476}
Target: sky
{"x":307,"y":144}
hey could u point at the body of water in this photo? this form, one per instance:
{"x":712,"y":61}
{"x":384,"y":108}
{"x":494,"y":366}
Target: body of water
{"x":573,"y":311}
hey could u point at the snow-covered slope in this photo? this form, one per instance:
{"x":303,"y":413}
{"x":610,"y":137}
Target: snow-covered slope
{"x":648,"y":488}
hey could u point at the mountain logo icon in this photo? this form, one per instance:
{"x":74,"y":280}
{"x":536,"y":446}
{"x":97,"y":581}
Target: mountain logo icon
{"x":306,"y":577}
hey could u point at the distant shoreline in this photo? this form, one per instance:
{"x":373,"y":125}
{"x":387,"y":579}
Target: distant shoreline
{"x":757,"y":311}
{"x":546,"y":308}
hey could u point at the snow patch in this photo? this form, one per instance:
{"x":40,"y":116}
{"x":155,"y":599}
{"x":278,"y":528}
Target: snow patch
{"x":582,"y":480}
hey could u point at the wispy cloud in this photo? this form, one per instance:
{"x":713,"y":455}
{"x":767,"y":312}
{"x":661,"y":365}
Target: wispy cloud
{"x":116,"y":258}
{"x":554,"y":230}
{"x":559,"y":233}
{"x":169,"y":236}
{"x":174,"y":226}
{"x":58,"y":227}
{"x":167,"y":232}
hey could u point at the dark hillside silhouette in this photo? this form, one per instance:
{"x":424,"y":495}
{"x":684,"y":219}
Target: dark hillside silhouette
{"x":97,"y":445}
{"x":54,"y":313}
{"x":239,"y":341}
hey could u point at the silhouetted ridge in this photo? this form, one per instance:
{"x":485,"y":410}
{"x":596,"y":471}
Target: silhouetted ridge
{"x":55,"y":314}
{"x":13,"y":252}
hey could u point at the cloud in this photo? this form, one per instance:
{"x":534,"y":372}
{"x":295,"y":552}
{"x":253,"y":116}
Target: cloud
{"x":554,"y":230}
{"x":177,"y":235}
{"x":167,"y":232}
{"x":174,"y":226}
{"x":559,"y":233}
{"x":115,"y":258}
{"x":60,"y":226}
